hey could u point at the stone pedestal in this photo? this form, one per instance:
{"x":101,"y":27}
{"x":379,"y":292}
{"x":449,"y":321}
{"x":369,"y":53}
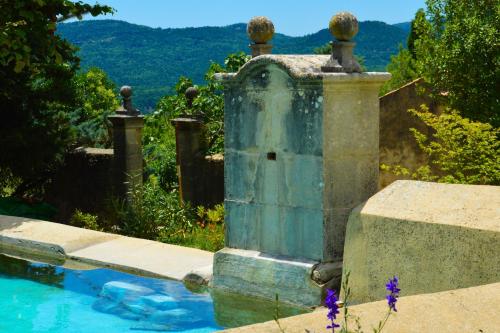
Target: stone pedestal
{"x":301,"y":151}
{"x":260,"y":49}
{"x":190,"y":149}
{"x":128,"y":159}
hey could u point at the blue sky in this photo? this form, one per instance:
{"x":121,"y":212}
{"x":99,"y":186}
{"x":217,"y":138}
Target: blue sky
{"x":291,"y":17}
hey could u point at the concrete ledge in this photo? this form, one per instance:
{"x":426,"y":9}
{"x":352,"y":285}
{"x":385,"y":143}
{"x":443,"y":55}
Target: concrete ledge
{"x":435,"y":237}
{"x":98,"y":248}
{"x":260,"y":275}
{"x":463,"y":310}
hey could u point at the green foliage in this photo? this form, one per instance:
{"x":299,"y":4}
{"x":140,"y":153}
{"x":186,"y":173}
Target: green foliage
{"x":454,"y":45}
{"x":208,"y":233}
{"x":462,"y":151}
{"x":84,"y":220}
{"x":151,"y":60}
{"x":418,"y":29}
{"x":23,"y":208}
{"x":402,"y":68}
{"x":208,"y":239}
{"x":35,"y":69}
{"x":27,"y":32}
{"x":404,"y":65}
{"x":8,"y":183}
{"x":153,"y":213}
{"x":210,"y":216}
{"x":461,"y":55}
{"x":96,"y":100}
{"x":159,"y":134}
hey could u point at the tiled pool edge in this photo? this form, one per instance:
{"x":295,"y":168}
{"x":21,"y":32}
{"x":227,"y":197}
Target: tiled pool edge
{"x":127,"y":254}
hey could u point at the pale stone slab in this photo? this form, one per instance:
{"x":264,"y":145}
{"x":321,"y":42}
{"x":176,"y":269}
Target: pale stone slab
{"x":40,"y":236}
{"x":130,"y":254}
{"x":434,"y":237}
{"x":143,"y":256}
{"x":463,"y":310}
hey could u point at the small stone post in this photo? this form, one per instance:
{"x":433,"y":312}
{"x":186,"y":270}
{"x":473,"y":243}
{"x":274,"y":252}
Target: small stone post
{"x":260,"y":29}
{"x":301,"y":151}
{"x":190,"y":147}
{"x":127,"y":145}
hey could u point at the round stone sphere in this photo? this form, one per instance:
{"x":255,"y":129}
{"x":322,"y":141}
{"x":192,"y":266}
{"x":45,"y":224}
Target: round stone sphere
{"x":191,"y":93}
{"x":344,"y":26}
{"x":126,"y":91}
{"x":260,"y":29}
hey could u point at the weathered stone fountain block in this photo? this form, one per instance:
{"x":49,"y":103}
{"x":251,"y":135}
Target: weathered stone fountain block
{"x":301,"y":152}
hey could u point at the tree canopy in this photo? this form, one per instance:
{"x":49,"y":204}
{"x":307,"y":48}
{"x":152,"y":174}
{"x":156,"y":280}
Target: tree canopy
{"x":36,"y":70}
{"x":455,"y":46}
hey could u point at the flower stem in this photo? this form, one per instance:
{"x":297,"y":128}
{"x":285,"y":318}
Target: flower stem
{"x":382,"y":323}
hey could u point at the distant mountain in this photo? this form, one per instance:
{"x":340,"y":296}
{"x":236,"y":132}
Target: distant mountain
{"x":151,"y":60}
{"x":406,"y":26}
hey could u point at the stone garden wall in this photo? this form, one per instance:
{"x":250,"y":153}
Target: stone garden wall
{"x":84,"y":182}
{"x":397,"y":144}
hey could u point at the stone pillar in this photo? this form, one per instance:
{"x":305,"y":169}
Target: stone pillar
{"x":190,"y":149}
{"x":260,"y":30}
{"x":301,"y":151}
{"x":127,"y":145}
{"x":189,"y":141}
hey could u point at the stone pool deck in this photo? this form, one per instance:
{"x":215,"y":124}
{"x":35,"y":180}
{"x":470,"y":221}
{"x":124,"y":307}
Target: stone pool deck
{"x":472,"y":310}
{"x":128,"y":254}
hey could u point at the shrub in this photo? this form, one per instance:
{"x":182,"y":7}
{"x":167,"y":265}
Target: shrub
{"x":156,"y":214}
{"x":84,"y":220}
{"x":459,"y":150}
{"x":152,"y":213}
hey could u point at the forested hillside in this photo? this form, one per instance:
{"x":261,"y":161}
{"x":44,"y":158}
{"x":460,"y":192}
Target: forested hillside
{"x":151,"y":60}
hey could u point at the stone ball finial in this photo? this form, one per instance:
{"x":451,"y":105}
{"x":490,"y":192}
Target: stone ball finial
{"x":260,"y":29}
{"x":191,"y":93}
{"x":344,"y":26}
{"x":126,"y":92}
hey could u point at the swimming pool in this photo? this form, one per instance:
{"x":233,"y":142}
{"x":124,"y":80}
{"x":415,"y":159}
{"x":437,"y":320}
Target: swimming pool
{"x":38,"y":297}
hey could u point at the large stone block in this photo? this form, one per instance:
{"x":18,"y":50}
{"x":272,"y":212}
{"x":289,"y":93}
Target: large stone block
{"x":434,"y":237}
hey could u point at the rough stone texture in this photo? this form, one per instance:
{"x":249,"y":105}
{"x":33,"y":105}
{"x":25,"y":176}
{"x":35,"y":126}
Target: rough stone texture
{"x":200,"y":276}
{"x":260,"y":29}
{"x":397,"y":144}
{"x":259,"y":275}
{"x":98,"y":248}
{"x":212,"y":180}
{"x":128,"y":159}
{"x":434,"y":237}
{"x":464,"y":310}
{"x":344,"y":26}
{"x":301,"y":151}
{"x":84,"y":182}
{"x":201,"y":178}
{"x":190,"y":144}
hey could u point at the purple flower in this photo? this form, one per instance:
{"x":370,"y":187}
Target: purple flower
{"x":331,"y":304}
{"x":392,"y":297}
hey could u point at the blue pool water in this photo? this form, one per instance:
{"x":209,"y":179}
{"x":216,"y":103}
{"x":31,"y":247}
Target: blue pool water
{"x":44,"y":298}
{"x":37,"y":298}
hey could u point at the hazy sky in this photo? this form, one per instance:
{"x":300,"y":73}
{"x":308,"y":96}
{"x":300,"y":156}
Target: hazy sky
{"x":291,"y":17}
